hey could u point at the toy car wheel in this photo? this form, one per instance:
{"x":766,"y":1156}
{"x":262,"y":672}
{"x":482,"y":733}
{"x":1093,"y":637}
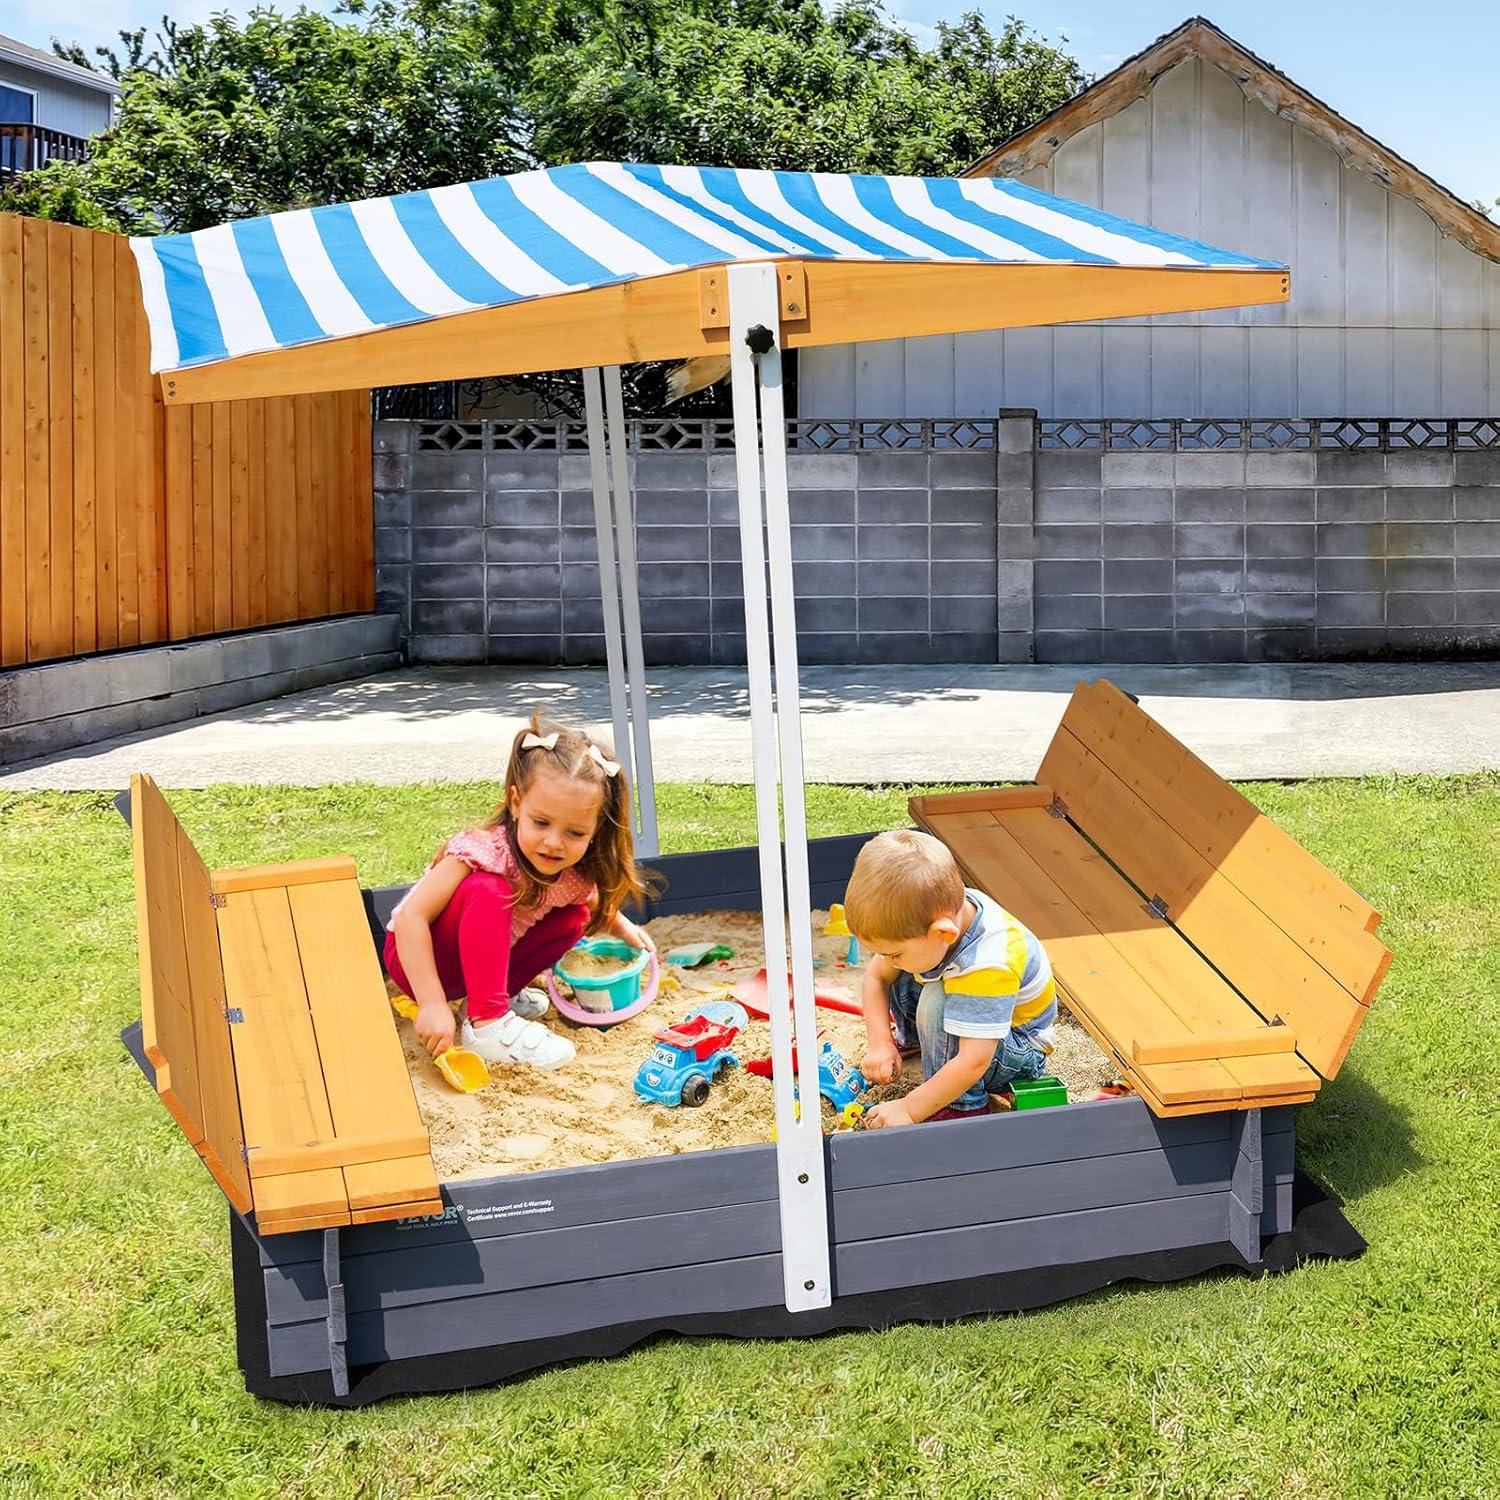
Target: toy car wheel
{"x":695,"y":1091}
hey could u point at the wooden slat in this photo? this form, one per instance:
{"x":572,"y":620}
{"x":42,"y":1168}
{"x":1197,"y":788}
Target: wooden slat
{"x":106,"y":403}
{"x":223,"y":553}
{"x":364,"y":500}
{"x":281,"y":533}
{"x":309,"y":570}
{"x":1106,"y":994}
{"x":1267,"y":1040}
{"x":352,"y":1151}
{"x":318,"y":498}
{"x":1306,"y":899}
{"x":178,"y":502}
{"x":297,"y":872}
{"x":346,"y":506}
{"x":986,"y":800}
{"x":283,"y":1101}
{"x":369,"y":1086}
{"x":131,"y":368}
{"x":1255,"y":955}
{"x":151,"y":562}
{"x":38,"y":397}
{"x":241,"y":611}
{"x":167,"y":1030}
{"x":13,"y":571}
{"x":201,"y":510}
{"x":60,"y":433}
{"x":1190,"y":988}
{"x":255,"y":460}
{"x":223,"y":1145}
{"x":85,"y":425}
{"x":419,"y":1208}
{"x":658,"y":318}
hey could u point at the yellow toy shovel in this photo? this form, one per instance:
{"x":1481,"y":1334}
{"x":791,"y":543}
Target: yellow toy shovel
{"x":461,"y":1068}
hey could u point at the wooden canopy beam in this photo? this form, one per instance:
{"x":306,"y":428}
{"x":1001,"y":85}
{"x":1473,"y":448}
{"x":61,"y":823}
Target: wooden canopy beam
{"x":664,"y":318}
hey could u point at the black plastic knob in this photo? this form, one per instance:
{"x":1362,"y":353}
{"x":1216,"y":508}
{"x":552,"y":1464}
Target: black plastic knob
{"x":760,"y":339}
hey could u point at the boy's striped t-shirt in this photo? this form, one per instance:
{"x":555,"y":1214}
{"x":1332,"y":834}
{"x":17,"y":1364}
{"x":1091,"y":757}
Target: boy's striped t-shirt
{"x":997,"y":977}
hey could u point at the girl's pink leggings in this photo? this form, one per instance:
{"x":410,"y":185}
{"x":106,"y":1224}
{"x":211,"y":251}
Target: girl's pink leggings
{"x":472,"y":946}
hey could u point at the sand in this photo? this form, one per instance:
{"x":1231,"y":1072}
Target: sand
{"x":527,"y":1120}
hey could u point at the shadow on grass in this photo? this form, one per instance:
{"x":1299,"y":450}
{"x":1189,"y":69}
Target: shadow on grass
{"x":1354,"y":1138}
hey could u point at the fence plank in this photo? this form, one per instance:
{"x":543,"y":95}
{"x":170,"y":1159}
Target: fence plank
{"x":223,"y":555}
{"x":306,"y":529}
{"x":12,"y":446}
{"x":130,"y":361}
{"x":106,"y":402}
{"x":201,"y":508}
{"x":281,"y":536}
{"x":39,"y":642}
{"x":178,"y":492}
{"x":364,"y":501}
{"x":84,"y":418}
{"x":237,"y":459}
{"x":256,"y":475}
{"x":59,"y":433}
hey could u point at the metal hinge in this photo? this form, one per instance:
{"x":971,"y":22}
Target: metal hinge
{"x":1157,"y":908}
{"x":234,"y":1015}
{"x":217,"y":900}
{"x":1057,"y":808}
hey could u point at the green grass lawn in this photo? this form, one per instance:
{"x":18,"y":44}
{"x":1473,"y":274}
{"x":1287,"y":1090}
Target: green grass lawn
{"x":1379,"y":1376}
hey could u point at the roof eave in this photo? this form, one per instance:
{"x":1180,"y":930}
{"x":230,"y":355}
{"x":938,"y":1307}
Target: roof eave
{"x":1267,"y":86}
{"x":59,"y":68}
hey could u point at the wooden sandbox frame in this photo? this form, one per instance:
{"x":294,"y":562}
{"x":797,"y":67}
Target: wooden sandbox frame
{"x":1225,"y":995}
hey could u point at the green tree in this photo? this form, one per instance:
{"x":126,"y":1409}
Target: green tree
{"x":220,"y":121}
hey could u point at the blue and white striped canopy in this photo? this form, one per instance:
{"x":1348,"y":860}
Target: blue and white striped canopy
{"x":324,"y":273}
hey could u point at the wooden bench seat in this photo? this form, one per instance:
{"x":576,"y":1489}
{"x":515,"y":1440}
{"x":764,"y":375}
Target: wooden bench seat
{"x":1219,"y":963}
{"x":264,"y":1015}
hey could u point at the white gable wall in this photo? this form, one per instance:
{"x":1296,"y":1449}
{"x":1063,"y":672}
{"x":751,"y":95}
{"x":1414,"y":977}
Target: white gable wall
{"x":1387,"y":317}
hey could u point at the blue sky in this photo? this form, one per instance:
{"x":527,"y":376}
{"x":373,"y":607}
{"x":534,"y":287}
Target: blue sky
{"x":1421,"y":79}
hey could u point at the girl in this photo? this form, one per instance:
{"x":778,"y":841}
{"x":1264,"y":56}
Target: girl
{"x":502,"y":903}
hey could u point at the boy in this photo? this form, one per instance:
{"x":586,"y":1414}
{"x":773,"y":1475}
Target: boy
{"x":952,"y":970}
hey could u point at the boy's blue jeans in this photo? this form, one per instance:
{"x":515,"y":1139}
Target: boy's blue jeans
{"x":917,"y":1010}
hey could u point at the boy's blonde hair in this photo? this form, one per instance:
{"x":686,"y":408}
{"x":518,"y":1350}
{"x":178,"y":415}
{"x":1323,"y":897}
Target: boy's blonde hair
{"x":902,"y":882}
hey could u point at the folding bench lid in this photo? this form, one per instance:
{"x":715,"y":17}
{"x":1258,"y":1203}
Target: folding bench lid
{"x":265,"y":1017}
{"x":1220,"y":963}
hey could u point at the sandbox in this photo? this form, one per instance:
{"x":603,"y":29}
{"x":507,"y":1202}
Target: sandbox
{"x":528,"y":1121}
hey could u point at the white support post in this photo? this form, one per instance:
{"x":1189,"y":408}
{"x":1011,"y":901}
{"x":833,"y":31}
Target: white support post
{"x":614,"y":526}
{"x":754,"y":303}
{"x":609,"y":592}
{"x":647,"y":839}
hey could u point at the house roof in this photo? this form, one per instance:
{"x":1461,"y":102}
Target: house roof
{"x":58,"y":67}
{"x":1268,"y":87}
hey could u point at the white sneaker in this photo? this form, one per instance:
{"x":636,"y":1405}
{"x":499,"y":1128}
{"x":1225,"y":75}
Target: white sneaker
{"x":514,"y":1040}
{"x":529,"y":1003}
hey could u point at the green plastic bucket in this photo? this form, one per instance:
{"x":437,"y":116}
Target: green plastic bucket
{"x":623,"y":988}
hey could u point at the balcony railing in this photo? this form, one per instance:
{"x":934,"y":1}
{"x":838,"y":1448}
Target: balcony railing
{"x":24,"y":148}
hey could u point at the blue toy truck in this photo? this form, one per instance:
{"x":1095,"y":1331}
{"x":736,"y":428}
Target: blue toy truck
{"x":686,"y":1059}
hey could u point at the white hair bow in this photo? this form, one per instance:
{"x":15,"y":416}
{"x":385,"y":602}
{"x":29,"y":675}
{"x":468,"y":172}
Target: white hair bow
{"x":605,"y":764}
{"x":540,"y":741}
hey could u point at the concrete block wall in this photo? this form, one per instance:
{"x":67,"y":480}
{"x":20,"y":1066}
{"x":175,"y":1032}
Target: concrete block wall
{"x":897,"y":555}
{"x":1012,"y":549}
{"x":1273,"y":555}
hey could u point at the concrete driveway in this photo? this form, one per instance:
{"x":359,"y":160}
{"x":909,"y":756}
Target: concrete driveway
{"x":859,"y":724}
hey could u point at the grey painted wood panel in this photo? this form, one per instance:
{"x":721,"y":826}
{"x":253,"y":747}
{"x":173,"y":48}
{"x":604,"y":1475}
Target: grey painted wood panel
{"x":549,"y":1258}
{"x":1056,"y":1239}
{"x":935,"y":1203}
{"x":1373,"y":283}
{"x":437,"y":1270}
{"x":607,"y":1193}
{"x":536,"y":1313}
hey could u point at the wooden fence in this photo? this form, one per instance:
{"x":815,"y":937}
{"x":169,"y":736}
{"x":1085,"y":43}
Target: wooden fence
{"x":123,"y":523}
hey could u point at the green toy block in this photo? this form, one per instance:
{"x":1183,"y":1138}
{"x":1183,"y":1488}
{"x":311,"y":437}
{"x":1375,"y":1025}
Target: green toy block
{"x":1038,"y":1093}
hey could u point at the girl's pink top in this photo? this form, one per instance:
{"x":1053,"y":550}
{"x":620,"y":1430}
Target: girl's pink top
{"x":490,"y":849}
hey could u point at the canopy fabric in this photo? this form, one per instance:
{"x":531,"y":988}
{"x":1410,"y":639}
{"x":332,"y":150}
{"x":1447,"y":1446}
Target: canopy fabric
{"x":309,"y":275}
